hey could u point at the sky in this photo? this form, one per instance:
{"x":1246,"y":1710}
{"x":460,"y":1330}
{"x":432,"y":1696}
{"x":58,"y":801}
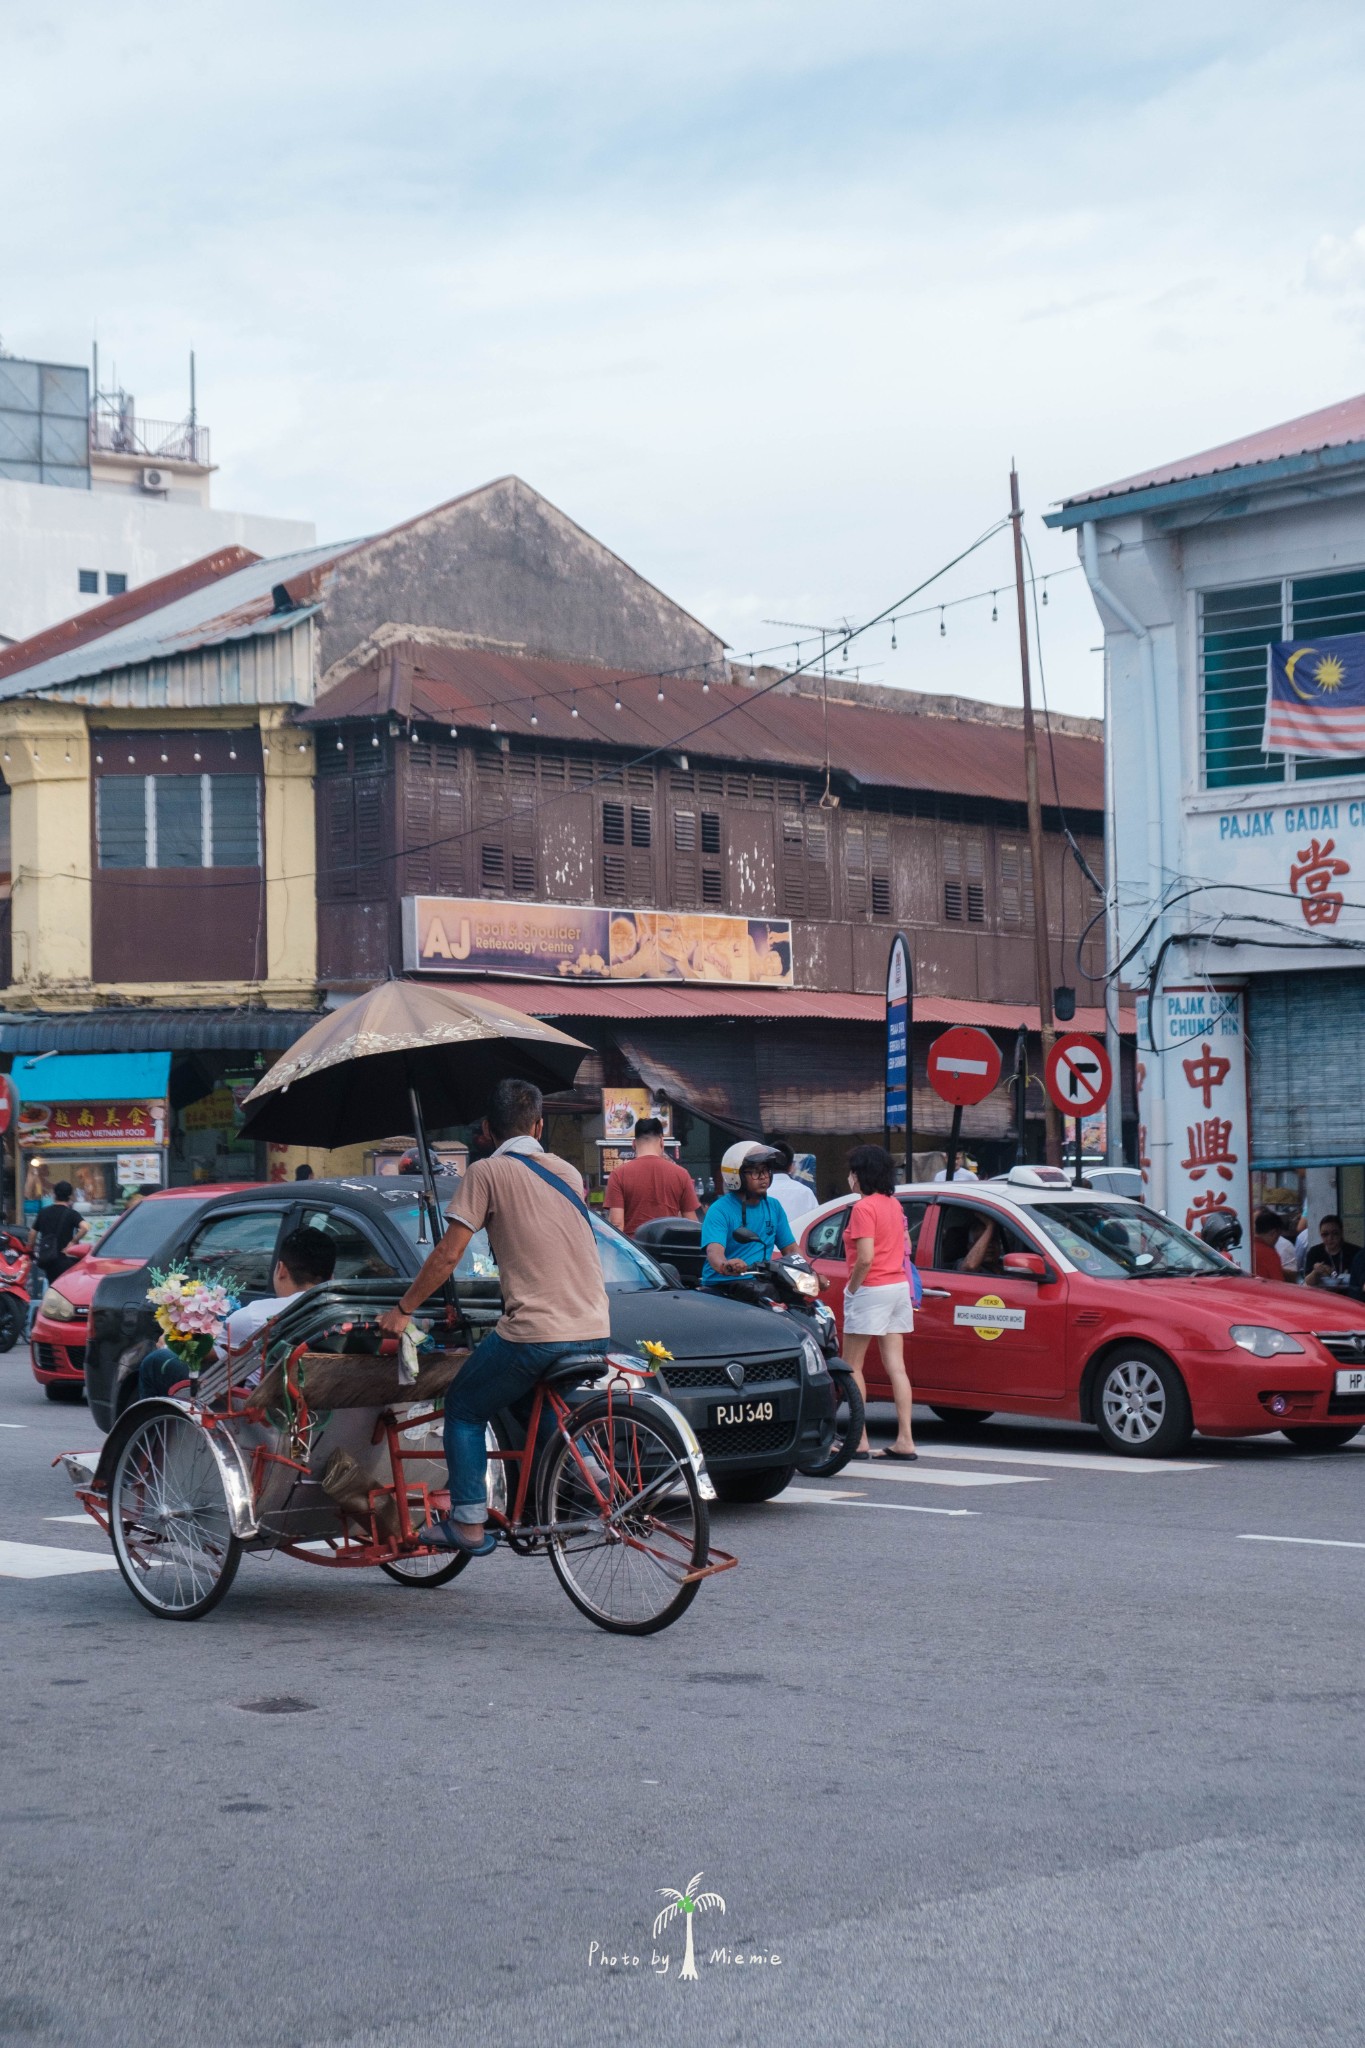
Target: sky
{"x":766,"y":294}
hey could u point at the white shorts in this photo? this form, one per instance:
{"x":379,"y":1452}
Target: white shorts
{"x":879,"y":1311}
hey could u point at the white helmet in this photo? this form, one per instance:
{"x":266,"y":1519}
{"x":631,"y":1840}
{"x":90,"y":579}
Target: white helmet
{"x":747,"y":1152}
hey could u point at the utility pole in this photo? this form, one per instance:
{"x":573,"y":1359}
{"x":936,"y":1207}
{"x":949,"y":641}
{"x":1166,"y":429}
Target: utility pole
{"x":1041,"y":950}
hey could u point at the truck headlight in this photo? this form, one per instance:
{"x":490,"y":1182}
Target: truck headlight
{"x":1262,"y":1342}
{"x":57,"y":1308}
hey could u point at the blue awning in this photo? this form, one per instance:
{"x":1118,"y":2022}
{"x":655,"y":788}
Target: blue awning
{"x":93,"y":1077}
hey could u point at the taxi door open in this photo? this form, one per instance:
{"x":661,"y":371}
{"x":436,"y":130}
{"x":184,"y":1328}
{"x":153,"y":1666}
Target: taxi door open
{"x":985,"y":1331}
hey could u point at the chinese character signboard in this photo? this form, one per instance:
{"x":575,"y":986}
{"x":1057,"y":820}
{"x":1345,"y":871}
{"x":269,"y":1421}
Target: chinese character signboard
{"x":92,"y":1123}
{"x":1193,"y":1127}
{"x":553,"y":942}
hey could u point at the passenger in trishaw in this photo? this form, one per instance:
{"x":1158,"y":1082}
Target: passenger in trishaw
{"x":554,"y":1299}
{"x":307,"y":1259}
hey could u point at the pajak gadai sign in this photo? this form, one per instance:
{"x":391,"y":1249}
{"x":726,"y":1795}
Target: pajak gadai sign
{"x":560,"y":942}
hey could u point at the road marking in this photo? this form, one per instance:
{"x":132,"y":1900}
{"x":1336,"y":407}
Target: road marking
{"x":85,"y":1521}
{"x":43,"y":1561}
{"x":13,"y":1425}
{"x":1079,"y":1461}
{"x":902,"y":1475}
{"x":820,"y":1498}
{"x":1318,"y":1542}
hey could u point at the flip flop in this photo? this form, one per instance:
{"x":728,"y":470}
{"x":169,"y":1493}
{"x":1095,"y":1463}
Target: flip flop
{"x":862,"y":1454}
{"x":902,"y":1457}
{"x":440,"y":1535}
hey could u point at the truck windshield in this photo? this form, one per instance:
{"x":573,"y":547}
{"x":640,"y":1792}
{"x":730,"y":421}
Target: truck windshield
{"x":1121,"y":1241}
{"x":625,"y":1268}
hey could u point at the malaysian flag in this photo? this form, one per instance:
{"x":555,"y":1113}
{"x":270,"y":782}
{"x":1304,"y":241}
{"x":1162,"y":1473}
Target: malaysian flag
{"x":1315,"y":696}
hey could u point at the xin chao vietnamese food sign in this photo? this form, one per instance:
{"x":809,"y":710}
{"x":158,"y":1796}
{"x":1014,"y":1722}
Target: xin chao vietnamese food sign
{"x":92,"y":1123}
{"x":562,"y":942}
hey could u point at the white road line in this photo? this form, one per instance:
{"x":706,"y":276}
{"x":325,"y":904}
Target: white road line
{"x":1076,"y":1461}
{"x":43,"y":1561}
{"x":817,"y":1497}
{"x":905,"y":1475}
{"x":1318,"y":1542}
{"x":13,"y":1425}
{"x":83,"y":1521}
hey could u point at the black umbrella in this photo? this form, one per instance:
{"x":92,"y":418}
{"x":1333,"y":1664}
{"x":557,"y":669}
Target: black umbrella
{"x":405,"y":1055}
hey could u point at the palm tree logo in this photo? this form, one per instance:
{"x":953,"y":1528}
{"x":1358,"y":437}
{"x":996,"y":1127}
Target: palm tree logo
{"x":687,"y":1903}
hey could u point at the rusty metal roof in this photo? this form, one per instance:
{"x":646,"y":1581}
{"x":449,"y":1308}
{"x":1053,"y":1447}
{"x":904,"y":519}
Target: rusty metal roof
{"x":552,"y":702}
{"x":1334,"y":426}
{"x":227,"y":606}
{"x":637,"y":1001}
{"x":101,"y":620}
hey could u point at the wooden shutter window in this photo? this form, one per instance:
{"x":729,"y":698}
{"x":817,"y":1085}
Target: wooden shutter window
{"x":952,"y":881}
{"x":492,"y":866}
{"x":614,"y":877}
{"x":685,"y":831}
{"x":613,"y":824}
{"x":1016,"y":883}
{"x":793,"y":865}
{"x":447,"y":855}
{"x":879,"y":864}
{"x":641,"y":826}
{"x":712,"y":886}
{"x":855,"y":869}
{"x":371,"y":877}
{"x":819,"y":900}
{"x":710,"y":831}
{"x":338,"y":840}
{"x":976,"y":881}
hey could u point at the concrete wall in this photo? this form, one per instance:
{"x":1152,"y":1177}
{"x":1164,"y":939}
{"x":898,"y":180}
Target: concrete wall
{"x":48,"y":534}
{"x":504,"y":565}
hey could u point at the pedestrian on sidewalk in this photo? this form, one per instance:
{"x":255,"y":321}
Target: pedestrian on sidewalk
{"x":650,"y":1185}
{"x":797,"y":1197}
{"x":877,"y":1293}
{"x":1267,"y":1261}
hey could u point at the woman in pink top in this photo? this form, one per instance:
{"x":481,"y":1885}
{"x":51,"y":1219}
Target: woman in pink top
{"x":877,"y":1294}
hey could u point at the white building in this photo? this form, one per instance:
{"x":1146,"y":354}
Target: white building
{"x":96,"y":500}
{"x":1240,"y":873}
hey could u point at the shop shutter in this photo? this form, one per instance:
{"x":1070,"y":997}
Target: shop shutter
{"x":685,"y":870}
{"x":371,"y":875}
{"x":879,"y":868}
{"x":1306,"y":1052}
{"x":1015,"y":897}
{"x":952,"y":881}
{"x":855,"y":870}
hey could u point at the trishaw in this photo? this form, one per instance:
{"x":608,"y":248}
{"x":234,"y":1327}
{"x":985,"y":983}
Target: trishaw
{"x":309,"y":1443}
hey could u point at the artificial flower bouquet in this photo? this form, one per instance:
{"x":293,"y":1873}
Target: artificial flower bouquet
{"x":191,"y":1315}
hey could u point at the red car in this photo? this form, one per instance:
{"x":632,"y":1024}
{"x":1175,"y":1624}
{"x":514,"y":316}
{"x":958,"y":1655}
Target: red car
{"x":1053,"y":1301}
{"x":57,"y":1340}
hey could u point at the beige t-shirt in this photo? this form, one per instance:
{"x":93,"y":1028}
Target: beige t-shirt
{"x":548,"y":1265}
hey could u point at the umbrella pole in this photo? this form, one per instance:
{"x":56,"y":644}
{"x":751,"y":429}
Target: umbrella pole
{"x":424,"y":1155}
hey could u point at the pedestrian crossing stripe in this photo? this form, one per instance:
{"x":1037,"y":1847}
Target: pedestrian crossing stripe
{"x":46,"y":1561}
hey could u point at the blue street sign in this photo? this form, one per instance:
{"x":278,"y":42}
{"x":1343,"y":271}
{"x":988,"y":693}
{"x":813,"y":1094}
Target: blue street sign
{"x":899,"y":993}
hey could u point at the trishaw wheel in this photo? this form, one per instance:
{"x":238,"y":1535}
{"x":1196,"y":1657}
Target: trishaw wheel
{"x":169,"y":1519}
{"x":633,"y":1521}
{"x":434,"y":1568}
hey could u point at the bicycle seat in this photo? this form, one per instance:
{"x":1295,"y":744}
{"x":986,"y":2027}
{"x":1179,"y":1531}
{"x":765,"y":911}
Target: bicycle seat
{"x":575,"y":1366}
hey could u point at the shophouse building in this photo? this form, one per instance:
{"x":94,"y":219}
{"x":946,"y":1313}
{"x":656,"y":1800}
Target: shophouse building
{"x":480,"y":745}
{"x":1239,"y":909}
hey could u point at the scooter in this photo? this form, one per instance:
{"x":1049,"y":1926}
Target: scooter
{"x":15,"y":1269}
{"x":790,"y":1285}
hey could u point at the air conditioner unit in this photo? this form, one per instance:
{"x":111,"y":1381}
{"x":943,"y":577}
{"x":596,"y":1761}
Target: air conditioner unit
{"x":155,"y":480}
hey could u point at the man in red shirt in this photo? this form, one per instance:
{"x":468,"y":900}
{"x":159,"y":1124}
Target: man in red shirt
{"x":650,"y":1184}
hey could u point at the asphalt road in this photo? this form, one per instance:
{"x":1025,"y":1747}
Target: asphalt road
{"x":1026,"y":1748}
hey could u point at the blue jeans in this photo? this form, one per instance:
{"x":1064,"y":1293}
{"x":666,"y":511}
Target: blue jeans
{"x":495,"y":1374}
{"x":159,"y":1371}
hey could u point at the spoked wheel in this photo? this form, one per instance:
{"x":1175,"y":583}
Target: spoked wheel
{"x":848,"y":1426}
{"x":439,"y":1567}
{"x":169,"y":1519}
{"x":633,"y":1521}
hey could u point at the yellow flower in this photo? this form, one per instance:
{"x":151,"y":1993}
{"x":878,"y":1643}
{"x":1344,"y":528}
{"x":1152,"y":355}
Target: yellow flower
{"x":652,"y":1348}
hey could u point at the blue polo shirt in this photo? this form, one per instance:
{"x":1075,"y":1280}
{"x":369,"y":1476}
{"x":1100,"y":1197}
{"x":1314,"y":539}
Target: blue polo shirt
{"x":766,"y":1218}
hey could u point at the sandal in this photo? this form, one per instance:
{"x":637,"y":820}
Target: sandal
{"x":902,"y":1457}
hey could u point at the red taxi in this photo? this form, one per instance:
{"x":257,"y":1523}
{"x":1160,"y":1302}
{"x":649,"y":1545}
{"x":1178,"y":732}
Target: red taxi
{"x":57,"y":1340}
{"x":1051,"y":1300}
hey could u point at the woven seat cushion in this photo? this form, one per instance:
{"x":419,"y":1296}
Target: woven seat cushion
{"x":344,"y":1380}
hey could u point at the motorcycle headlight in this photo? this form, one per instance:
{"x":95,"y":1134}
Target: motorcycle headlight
{"x":1262,"y":1342}
{"x":814,"y":1356}
{"x":805,"y":1283}
{"x":57,"y":1308}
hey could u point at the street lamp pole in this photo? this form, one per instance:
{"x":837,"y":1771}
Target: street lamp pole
{"x":1041,"y":950}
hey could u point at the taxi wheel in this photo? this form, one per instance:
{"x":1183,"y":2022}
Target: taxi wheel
{"x":753,"y":1486}
{"x":965,"y":1418}
{"x":1141,"y":1407}
{"x":1322,"y":1439}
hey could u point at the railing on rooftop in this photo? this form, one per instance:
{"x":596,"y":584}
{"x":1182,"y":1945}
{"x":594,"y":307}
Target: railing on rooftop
{"x":123,"y":433}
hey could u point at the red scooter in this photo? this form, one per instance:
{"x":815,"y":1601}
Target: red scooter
{"x":15,"y":1269}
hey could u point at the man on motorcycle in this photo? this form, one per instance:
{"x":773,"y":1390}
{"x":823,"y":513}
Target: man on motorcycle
{"x":744,"y":1227}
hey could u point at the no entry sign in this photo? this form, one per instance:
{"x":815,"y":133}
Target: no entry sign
{"x":1078,"y":1074}
{"x":964,"y":1065}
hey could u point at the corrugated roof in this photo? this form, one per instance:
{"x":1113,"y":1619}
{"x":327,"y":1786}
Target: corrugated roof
{"x":227,"y":607}
{"x":104,"y":619}
{"x":1335,"y":426}
{"x":639,"y":1001}
{"x":469,"y":687}
{"x":135,"y":1030}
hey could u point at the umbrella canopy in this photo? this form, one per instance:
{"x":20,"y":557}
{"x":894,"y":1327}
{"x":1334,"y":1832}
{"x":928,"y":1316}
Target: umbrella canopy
{"x":353,"y":1074}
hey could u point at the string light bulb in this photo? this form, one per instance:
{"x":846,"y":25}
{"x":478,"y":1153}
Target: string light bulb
{"x":99,"y":760}
{"x":492,"y":725}
{"x":893,"y":636}
{"x":232,"y":753}
{"x":661,"y":693}
{"x":573,"y":705}
{"x":374,"y":739}
{"x":706,"y":686}
{"x":341,"y":746}
{"x":534,"y":719}
{"x":995,"y":612}
{"x":1044,"y":590}
{"x":942,"y":625}
{"x":131,"y":761}
{"x":454,"y":732}
{"x":198,"y":757}
{"x":618,"y":703}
